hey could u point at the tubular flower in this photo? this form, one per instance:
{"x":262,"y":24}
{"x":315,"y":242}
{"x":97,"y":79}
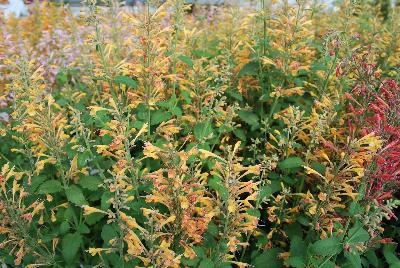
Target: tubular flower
{"x":228,"y":174}
{"x":180,"y":188}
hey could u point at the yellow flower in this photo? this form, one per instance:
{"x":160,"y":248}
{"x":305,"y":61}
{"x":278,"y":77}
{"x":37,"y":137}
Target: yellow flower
{"x":151,"y":151}
{"x":38,"y":208}
{"x":168,"y":220}
{"x":4,"y":230}
{"x":95,"y":109}
{"x":135,"y":246}
{"x":131,"y":222}
{"x":40,"y":164}
{"x":90,"y":210}
{"x":97,"y":251}
{"x":101,"y":148}
{"x":312,"y":171}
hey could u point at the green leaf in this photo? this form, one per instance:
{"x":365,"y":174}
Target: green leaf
{"x":390,"y":256}
{"x":212,"y":229}
{"x":298,"y":252}
{"x":83,"y":158}
{"x":318,"y":167}
{"x":327,"y":246}
{"x":290,"y":163}
{"x":186,"y":60}
{"x":51,"y":186}
{"x":235,"y":94}
{"x":202,"y":54}
{"x":90,"y":182}
{"x":328,"y":264}
{"x":372,"y":258}
{"x":176,"y":111}
{"x":64,"y":227}
{"x":215,"y":184}
{"x":104,"y":205}
{"x":354,"y":259}
{"x":107,"y":233}
{"x":126,"y":80}
{"x":206,"y":263}
{"x":265,"y":191}
{"x":294,"y":231}
{"x":83,"y":229}
{"x":354,"y":207}
{"x":70,"y":215}
{"x":240,"y":133}
{"x":268,"y":259}
{"x":186,"y":96}
{"x":94,"y":218}
{"x":62,"y":78}
{"x":70,"y":245}
{"x":357,"y":234}
{"x":295,"y":261}
{"x":202,"y":130}
{"x":249,"y":117}
{"x":250,"y":69}
{"x":160,"y":116}
{"x":36,"y":182}
{"x":254,"y":212}
{"x":75,"y":195}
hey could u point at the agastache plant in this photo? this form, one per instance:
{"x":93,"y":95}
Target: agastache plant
{"x":249,"y":134}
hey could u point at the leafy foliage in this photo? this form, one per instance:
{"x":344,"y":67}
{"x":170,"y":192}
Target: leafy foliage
{"x":232,"y":136}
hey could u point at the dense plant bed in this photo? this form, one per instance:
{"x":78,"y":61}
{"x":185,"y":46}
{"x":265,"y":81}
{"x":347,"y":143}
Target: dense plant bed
{"x":227,"y":137}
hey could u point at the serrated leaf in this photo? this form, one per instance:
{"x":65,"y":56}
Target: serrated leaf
{"x":36,"y":182}
{"x":108,"y":233}
{"x":327,"y":246}
{"x":160,"y":116}
{"x":83,"y":158}
{"x":83,"y":229}
{"x":212,"y":229}
{"x":328,"y":264}
{"x":64,"y":227}
{"x":240,"y":133}
{"x":51,"y":186}
{"x":75,"y":195}
{"x":354,"y":259}
{"x":249,"y":117}
{"x":70,"y":245}
{"x":296,"y":262}
{"x":90,"y":182}
{"x":290,"y":163}
{"x":298,"y":251}
{"x":202,"y":130}
{"x":104,"y":205}
{"x":357,"y":234}
{"x":206,"y":263}
{"x":265,"y":191}
{"x":177,"y":111}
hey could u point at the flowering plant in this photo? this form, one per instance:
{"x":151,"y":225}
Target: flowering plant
{"x":235,"y":136}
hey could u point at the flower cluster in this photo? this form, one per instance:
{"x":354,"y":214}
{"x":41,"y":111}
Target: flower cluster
{"x":243,"y":135}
